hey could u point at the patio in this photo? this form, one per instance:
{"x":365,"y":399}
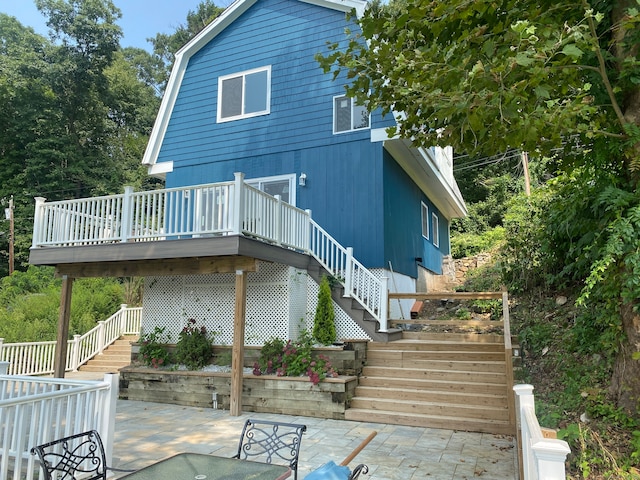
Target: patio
{"x":146,"y":432}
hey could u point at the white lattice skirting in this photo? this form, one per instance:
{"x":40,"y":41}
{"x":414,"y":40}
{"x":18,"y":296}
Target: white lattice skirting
{"x":280,"y":301}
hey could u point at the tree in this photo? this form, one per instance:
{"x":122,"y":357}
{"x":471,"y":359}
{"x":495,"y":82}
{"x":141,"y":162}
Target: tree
{"x":324,"y":328}
{"x":486,"y":76}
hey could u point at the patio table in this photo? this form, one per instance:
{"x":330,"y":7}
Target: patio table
{"x":198,"y":466}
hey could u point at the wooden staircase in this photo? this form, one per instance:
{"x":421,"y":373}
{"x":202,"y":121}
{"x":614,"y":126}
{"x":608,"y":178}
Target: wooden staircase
{"x":113,"y":358}
{"x":437,"y":380}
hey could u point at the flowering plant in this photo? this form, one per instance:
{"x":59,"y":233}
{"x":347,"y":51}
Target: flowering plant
{"x":293,"y":359}
{"x":153,"y":351}
{"x":194,"y":347}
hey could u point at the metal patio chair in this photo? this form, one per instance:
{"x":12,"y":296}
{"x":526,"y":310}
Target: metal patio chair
{"x":76,"y":456}
{"x":265,"y":441}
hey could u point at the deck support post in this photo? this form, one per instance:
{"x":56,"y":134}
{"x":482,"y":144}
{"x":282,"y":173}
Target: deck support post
{"x":237,"y":359}
{"x":62,"y":340}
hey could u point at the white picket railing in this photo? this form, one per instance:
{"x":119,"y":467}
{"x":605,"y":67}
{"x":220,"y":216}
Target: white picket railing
{"x":206,"y":210}
{"x":541,"y":458}
{"x":38,"y":410}
{"x":37,"y":358}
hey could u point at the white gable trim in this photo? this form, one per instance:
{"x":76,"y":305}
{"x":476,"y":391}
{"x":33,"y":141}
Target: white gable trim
{"x":183,"y":55}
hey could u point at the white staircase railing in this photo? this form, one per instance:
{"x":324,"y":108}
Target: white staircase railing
{"x":228,"y":208}
{"x":37,"y":358}
{"x":540,"y":457}
{"x":38,"y":410}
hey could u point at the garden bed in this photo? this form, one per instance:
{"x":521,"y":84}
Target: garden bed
{"x":264,"y":393}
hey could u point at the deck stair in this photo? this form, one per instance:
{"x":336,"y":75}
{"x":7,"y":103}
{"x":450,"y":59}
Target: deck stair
{"x":113,"y":358}
{"x":437,"y":380}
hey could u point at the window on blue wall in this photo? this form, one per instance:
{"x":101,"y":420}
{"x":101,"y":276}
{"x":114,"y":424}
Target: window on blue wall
{"x":436,"y":233}
{"x":245,"y":94}
{"x":283,"y":185}
{"x":348,"y":116}
{"x":425,"y":220}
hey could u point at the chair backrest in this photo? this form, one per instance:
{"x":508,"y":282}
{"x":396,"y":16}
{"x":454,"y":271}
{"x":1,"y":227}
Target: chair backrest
{"x":271,"y":442}
{"x":76,"y":456}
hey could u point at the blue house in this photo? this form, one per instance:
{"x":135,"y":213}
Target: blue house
{"x":248,"y":106}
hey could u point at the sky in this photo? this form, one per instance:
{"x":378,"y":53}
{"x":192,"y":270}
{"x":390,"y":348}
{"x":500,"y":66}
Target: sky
{"x":140,"y":20}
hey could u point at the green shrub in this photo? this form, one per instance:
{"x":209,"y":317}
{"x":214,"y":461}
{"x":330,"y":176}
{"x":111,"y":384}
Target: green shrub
{"x":153,"y":348}
{"x":194,"y":347}
{"x":324,"y":328}
{"x":469,"y":244}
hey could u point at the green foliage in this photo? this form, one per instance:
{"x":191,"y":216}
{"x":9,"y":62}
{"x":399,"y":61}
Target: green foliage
{"x":32,"y":302}
{"x":153,"y":348}
{"x":469,"y":244}
{"x":324,"y":328}
{"x":293,"y":359}
{"x":194,"y":347}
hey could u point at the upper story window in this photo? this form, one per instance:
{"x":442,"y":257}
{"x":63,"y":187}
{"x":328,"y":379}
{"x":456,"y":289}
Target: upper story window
{"x":243,"y":95}
{"x":348,"y":116}
{"x":425,"y":220}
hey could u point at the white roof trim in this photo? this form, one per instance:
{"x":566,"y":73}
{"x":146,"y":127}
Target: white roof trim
{"x":183,"y":55}
{"x":160,"y":169}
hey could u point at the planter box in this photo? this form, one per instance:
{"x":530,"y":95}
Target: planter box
{"x":347,"y":359}
{"x":266,"y":393}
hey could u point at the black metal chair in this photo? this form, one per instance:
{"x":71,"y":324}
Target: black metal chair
{"x":76,"y":456}
{"x":355,"y":473}
{"x":266,"y":441}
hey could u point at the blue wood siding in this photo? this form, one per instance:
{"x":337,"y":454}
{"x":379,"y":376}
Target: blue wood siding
{"x":403,"y":224}
{"x":286,"y":35}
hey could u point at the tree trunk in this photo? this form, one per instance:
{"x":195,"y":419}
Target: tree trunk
{"x":625,"y":382}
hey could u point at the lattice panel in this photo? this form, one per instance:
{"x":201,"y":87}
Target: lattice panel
{"x":345,"y":326}
{"x":210,"y":300}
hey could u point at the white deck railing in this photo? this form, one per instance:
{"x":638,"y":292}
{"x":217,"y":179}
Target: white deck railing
{"x":541,"y":458}
{"x":38,"y":410}
{"x":230,"y":208}
{"x":37,"y":358}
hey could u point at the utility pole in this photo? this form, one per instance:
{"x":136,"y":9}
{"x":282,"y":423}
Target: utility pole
{"x":525,"y":168}
{"x":8,"y":213}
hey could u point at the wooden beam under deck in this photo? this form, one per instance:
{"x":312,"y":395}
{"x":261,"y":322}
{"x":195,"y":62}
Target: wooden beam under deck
{"x":159,"y":267}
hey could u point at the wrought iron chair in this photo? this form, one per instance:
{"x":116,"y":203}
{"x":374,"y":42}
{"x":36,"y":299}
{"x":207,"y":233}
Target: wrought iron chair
{"x":266,"y":441}
{"x":76,"y":456}
{"x":355,"y":473}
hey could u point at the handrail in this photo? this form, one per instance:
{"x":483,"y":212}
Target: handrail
{"x":540,"y":457}
{"x":37,"y":358}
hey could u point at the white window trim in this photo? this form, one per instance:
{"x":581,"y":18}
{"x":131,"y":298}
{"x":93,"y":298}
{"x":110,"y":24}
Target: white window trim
{"x":424,"y":217}
{"x":255,"y":182}
{"x":435,"y":225}
{"x":333,"y":110}
{"x":244,"y":74}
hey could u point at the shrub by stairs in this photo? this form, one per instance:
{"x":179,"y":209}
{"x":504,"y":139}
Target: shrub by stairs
{"x":113,"y":358}
{"x":437,"y":380}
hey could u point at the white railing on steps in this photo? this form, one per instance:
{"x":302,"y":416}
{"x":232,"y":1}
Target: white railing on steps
{"x":228,"y":208}
{"x":34,"y":411}
{"x":37,"y":358}
{"x":541,"y":458}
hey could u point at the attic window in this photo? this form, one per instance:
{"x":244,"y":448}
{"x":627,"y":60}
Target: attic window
{"x":348,"y":116}
{"x":245,"y":94}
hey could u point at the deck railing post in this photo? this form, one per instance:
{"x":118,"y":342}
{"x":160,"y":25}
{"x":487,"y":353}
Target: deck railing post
{"x":278,"y":220}
{"x":238,"y":203}
{"x":127,"y":214}
{"x":4,"y":368}
{"x":108,"y":415}
{"x":384,"y":303}
{"x":38,"y":219}
{"x":124,"y":319}
{"x":101,"y":340}
{"x":75,"y":353}
{"x":348,"y":277}
{"x":309,"y":240}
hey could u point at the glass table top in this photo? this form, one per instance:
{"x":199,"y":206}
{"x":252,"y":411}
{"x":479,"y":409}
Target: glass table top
{"x":196,"y":466}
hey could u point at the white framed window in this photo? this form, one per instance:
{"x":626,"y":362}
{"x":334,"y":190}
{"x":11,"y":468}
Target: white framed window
{"x":283,"y":185}
{"x":425,"y":220}
{"x":348,"y":116}
{"x":436,"y":233}
{"x":245,"y":94}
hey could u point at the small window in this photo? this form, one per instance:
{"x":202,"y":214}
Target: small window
{"x":348,"y":116}
{"x":283,"y":185}
{"x":425,"y":220}
{"x":436,"y":232}
{"x":244,"y":95}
